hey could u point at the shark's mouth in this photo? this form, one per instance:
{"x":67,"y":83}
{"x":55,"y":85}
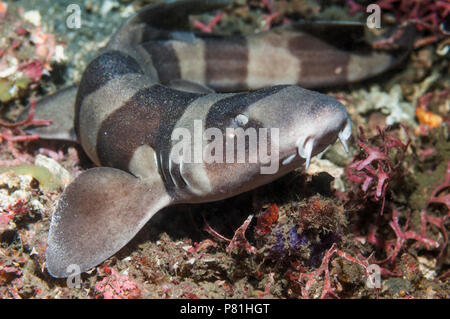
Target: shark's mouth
{"x":305,"y":146}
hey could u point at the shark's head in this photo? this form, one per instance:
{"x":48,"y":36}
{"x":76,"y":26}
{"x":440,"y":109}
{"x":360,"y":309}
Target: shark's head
{"x":282,"y":128}
{"x":308,"y":123}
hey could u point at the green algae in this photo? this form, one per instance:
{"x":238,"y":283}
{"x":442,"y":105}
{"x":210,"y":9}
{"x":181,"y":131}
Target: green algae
{"x":45,"y":178}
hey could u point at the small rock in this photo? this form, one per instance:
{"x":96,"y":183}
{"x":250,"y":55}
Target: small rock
{"x":33,"y":16}
{"x":59,"y":172}
{"x":322,"y":165}
{"x":427,"y":266}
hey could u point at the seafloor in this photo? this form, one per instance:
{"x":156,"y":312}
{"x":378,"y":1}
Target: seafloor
{"x":319,"y":234}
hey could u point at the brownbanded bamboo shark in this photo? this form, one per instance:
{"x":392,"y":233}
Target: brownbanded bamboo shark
{"x":153,"y":78}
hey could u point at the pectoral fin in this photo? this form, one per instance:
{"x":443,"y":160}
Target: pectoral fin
{"x":98,"y":213}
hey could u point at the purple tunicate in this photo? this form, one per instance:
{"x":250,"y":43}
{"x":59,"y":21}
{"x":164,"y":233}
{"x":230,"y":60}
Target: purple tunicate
{"x":290,"y":244}
{"x":294,"y":242}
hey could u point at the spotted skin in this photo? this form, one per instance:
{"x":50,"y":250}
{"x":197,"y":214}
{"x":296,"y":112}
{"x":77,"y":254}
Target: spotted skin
{"x":153,"y":80}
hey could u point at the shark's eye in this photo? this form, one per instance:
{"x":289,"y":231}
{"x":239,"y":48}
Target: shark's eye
{"x":241,"y":119}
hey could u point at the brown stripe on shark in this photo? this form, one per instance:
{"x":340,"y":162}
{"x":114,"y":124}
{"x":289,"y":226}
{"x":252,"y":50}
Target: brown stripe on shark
{"x":320,"y":63}
{"x":98,"y":105}
{"x":100,"y":71}
{"x":147,"y":118}
{"x":225,"y":110}
{"x":132,"y":125}
{"x":165,"y":60}
{"x":226,"y":63}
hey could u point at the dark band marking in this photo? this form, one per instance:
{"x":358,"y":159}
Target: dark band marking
{"x":223,"y":111}
{"x":320,"y":63}
{"x":102,"y":69}
{"x":226,"y":63}
{"x":308,"y":43}
{"x":165,"y":60}
{"x":221,"y":115}
{"x":147,"y":118}
{"x":130,"y":126}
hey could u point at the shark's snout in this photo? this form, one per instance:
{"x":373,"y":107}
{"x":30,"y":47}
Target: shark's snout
{"x":308,"y":146}
{"x":318,"y":128}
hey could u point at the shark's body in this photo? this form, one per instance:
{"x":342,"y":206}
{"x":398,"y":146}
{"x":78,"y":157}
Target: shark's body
{"x":152,"y":80}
